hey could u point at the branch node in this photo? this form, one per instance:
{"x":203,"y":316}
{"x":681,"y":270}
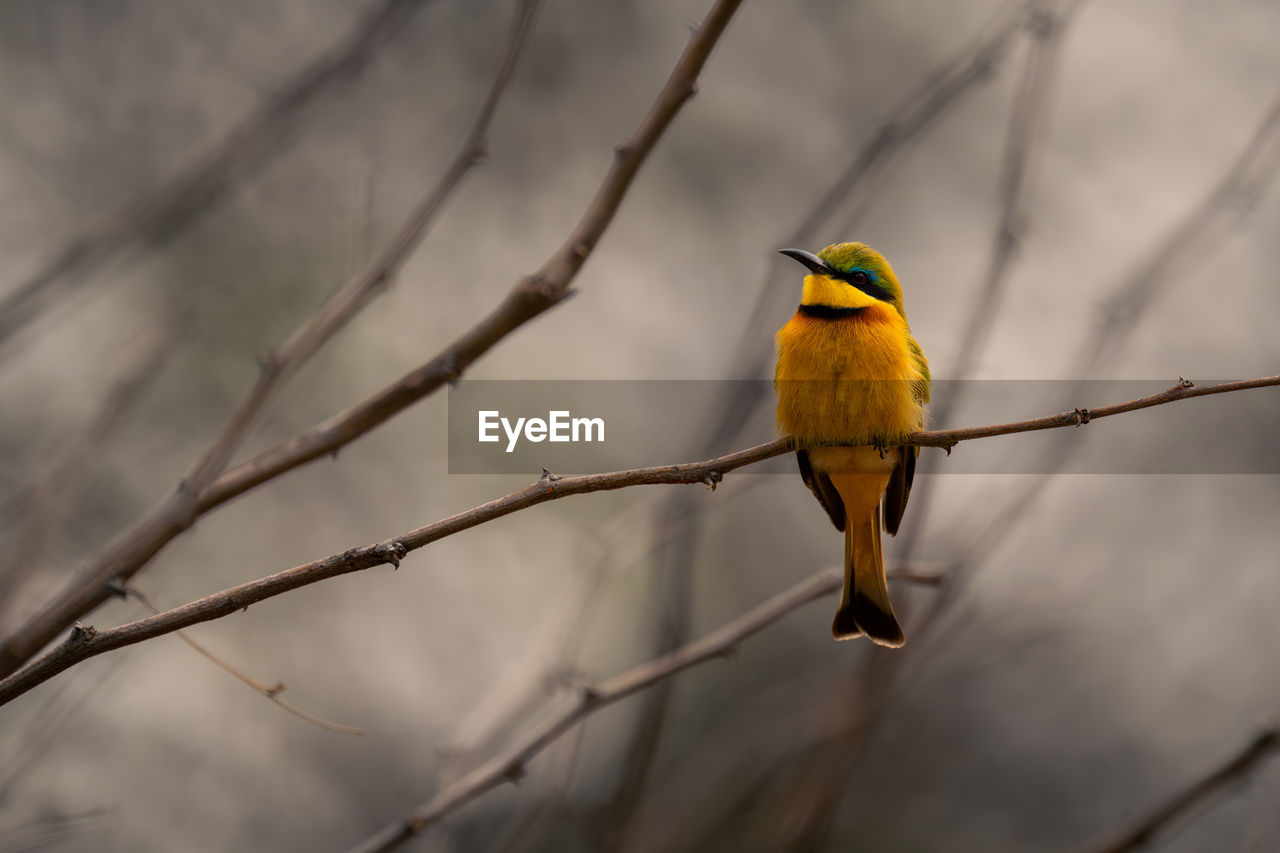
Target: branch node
{"x":186,"y":504}
{"x":275,"y":690}
{"x":450,"y":369}
{"x":117,"y":587}
{"x":590,"y":694}
{"x":1185,"y":383}
{"x":620,"y":152}
{"x":268,"y":362}
{"x":548,"y":477}
{"x":1082,"y":417}
{"x":1042,"y":24}
{"x":515,"y":772}
{"x":729,"y":652}
{"x":712,"y":479}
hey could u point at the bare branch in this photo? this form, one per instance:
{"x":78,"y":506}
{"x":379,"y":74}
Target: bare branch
{"x":1264,"y":746}
{"x":85,"y":642}
{"x":271,"y":691}
{"x":511,"y":763}
{"x":166,"y":212}
{"x":139,"y":544}
{"x":529,"y":297}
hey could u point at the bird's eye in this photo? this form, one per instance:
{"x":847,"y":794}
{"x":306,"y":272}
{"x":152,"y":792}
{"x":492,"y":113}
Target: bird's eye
{"x":859,"y":277}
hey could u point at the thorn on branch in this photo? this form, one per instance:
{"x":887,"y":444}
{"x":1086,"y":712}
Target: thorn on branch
{"x":713,"y":479}
{"x":548,"y":477}
{"x":392,"y":552}
{"x":620,"y":152}
{"x":81,"y":633}
{"x":1185,"y":383}
{"x":1082,"y":417}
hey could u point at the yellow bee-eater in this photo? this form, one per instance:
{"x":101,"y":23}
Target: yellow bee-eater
{"x":849,"y":372}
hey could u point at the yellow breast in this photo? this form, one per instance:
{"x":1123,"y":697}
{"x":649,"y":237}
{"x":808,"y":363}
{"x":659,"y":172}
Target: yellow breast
{"x":851,"y":379}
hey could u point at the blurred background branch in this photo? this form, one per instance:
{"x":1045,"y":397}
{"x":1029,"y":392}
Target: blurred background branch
{"x":271,"y":691}
{"x":1261,"y":748}
{"x":510,"y":765}
{"x":151,"y":221}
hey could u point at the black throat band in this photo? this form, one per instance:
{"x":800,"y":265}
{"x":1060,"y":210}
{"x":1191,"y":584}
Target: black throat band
{"x":829,"y":312}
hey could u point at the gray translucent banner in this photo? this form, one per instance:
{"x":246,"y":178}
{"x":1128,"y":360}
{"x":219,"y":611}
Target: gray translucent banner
{"x":583,"y":426}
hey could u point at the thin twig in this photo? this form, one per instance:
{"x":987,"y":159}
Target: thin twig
{"x":140,"y":543}
{"x":86,"y":642}
{"x":169,"y":210}
{"x":271,"y":691}
{"x":1264,"y":746}
{"x":511,"y":764}
{"x":530,"y":297}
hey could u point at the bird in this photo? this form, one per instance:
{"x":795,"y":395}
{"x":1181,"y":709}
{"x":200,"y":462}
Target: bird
{"x":850,"y":372}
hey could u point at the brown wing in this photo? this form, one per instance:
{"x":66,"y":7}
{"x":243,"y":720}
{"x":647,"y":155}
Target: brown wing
{"x":899,"y":489}
{"x":823,"y":489}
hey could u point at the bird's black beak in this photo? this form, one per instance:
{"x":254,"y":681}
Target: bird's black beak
{"x":814,"y":263}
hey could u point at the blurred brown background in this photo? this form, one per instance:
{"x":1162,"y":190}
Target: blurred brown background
{"x":1115,"y":645}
